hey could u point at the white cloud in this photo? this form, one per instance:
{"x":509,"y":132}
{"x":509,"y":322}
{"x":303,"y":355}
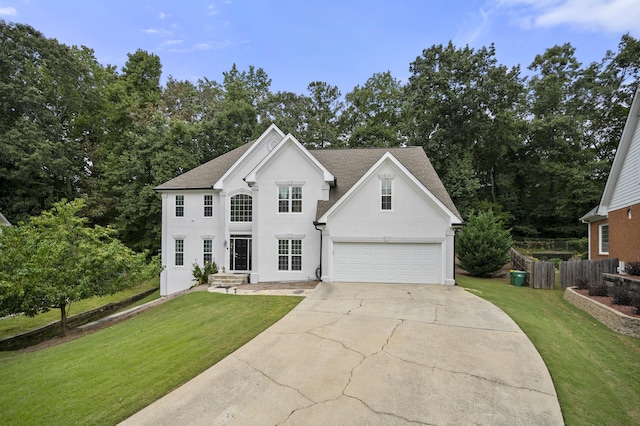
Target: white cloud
{"x":156,"y":31}
{"x":8,"y":11}
{"x":163,"y":15}
{"x":595,"y":15}
{"x":212,"y":10}
{"x":172,"y":42}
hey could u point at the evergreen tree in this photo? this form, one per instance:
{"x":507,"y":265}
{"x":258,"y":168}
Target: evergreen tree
{"x":483,"y":245}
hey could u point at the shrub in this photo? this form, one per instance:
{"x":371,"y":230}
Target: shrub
{"x":601,"y":289}
{"x":483,"y":245}
{"x":620,"y":295}
{"x":582,"y":283}
{"x":633,"y":268}
{"x":201,"y":275}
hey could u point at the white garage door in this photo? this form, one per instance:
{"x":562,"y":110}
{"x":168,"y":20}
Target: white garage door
{"x":387,"y":262}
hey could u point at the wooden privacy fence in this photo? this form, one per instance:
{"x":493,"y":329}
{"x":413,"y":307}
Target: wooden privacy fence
{"x":591,"y":270}
{"x":539,"y":274}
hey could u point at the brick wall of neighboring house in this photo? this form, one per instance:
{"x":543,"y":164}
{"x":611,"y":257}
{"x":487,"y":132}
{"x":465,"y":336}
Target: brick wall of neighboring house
{"x":594,"y":233}
{"x":624,"y":233}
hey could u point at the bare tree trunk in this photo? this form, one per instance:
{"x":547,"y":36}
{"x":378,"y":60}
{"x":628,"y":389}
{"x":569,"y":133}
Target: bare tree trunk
{"x":63,"y":319}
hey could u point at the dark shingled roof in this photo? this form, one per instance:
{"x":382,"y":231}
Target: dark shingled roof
{"x":204,"y":176}
{"x":347,"y":165}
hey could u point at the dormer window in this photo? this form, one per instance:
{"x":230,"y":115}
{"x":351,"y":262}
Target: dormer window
{"x":289,"y":199}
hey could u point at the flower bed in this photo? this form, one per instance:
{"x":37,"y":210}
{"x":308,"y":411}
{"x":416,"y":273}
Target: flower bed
{"x":628,"y":324}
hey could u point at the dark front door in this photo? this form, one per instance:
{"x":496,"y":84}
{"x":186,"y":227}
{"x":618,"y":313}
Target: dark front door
{"x":240,"y":254}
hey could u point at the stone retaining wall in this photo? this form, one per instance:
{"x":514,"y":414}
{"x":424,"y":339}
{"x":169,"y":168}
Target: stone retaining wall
{"x":615,"y":320}
{"x":53,"y":329}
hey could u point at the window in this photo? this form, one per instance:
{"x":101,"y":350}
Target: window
{"x":385,"y":194}
{"x":604,"y":238}
{"x":290,"y":255}
{"x":179,"y":205}
{"x":207,"y":249}
{"x":179,"y":253}
{"x":290,"y":199}
{"x":241,"y":208}
{"x":208,"y":205}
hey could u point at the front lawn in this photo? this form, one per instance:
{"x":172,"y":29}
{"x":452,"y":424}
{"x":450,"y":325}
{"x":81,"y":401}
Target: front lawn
{"x":596,"y":371}
{"x":17,"y":324}
{"x":107,"y":376}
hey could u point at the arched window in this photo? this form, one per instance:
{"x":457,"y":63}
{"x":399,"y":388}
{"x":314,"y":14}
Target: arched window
{"x":241,"y":208}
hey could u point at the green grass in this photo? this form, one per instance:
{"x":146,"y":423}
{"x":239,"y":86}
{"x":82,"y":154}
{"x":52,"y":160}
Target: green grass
{"x":13,"y":325}
{"x":596,"y":372}
{"x":106,"y":376}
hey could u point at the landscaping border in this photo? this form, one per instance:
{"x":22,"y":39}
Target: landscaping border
{"x":613,"y":319}
{"x":53,"y":329}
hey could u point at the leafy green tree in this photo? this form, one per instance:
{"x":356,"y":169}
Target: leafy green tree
{"x":374,"y":113}
{"x":288,"y":111}
{"x":49,"y":92}
{"x":482,"y":247}
{"x":323,"y":112}
{"x":559,"y":183}
{"x":465,"y":114}
{"x":55,"y":260}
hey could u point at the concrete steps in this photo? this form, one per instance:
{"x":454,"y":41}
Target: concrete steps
{"x":228,"y":280}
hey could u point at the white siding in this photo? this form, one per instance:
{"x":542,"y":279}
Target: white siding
{"x":627,"y":190}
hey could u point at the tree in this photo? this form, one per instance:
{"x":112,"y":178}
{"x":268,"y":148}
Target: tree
{"x":482,"y":246}
{"x":554,"y":194}
{"x":48,"y":93}
{"x":55,"y":260}
{"x":464,"y":108}
{"x":322,"y":116}
{"x":374,"y":113}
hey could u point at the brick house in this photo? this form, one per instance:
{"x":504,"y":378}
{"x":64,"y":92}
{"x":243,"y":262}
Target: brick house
{"x":614,"y":225}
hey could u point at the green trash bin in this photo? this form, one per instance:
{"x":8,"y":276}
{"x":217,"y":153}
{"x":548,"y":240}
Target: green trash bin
{"x":518,"y":277}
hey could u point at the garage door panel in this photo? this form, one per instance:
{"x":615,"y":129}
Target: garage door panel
{"x":387,"y":262}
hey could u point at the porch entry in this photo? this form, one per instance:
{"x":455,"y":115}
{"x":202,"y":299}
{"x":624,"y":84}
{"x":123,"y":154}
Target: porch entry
{"x":240,"y":250}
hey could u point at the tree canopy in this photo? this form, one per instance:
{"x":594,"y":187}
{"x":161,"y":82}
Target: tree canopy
{"x":54,"y":260}
{"x":536,"y":148}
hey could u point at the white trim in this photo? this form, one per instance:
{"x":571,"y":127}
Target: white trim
{"x":390,"y":240}
{"x":290,"y":236}
{"x":452,"y":218}
{"x":621,"y":154}
{"x":600,"y":251}
{"x":288,"y":140}
{"x":248,"y":152}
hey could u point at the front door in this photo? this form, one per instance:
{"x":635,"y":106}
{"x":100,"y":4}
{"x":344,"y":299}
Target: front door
{"x":240,"y":254}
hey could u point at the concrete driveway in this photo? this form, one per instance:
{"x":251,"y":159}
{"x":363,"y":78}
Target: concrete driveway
{"x":374,"y":354}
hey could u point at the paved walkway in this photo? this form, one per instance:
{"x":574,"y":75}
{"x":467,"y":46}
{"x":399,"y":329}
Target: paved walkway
{"x":375,"y":354}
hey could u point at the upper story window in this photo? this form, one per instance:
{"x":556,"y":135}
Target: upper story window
{"x":385,"y":194}
{"x":290,"y":199}
{"x":208,"y":205}
{"x":179,"y":205}
{"x":241,"y":208}
{"x":604,"y":239}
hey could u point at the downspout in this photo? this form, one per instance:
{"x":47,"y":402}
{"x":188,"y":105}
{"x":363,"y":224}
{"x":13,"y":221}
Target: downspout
{"x":457,"y":227}
{"x":319,"y":270}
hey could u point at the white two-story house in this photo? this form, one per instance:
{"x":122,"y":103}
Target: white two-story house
{"x":276,"y":211}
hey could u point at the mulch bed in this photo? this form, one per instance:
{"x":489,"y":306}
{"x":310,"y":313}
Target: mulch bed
{"x":605,"y":300}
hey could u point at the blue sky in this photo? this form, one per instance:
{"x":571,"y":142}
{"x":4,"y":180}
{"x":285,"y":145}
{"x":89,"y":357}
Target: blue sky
{"x":340,"y":42}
